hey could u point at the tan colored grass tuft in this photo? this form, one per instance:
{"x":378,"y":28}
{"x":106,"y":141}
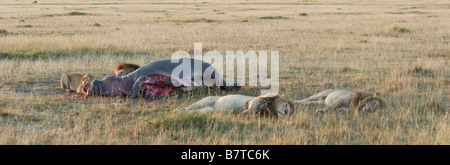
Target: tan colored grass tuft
{"x":345,"y":69}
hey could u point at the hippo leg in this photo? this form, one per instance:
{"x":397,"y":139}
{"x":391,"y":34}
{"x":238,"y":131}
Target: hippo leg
{"x":135,"y":88}
{"x":150,"y":96}
{"x":231,"y":88}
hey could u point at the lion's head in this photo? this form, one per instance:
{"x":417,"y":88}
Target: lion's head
{"x":273,"y":106}
{"x":370,"y":104}
{"x":85,"y":83}
{"x":125,"y":68}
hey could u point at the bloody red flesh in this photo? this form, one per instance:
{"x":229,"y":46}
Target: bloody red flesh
{"x":158,"y":85}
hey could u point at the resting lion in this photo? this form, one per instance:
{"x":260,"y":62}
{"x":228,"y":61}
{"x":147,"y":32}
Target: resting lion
{"x":345,"y":100}
{"x":125,"y":68}
{"x":75,"y":82}
{"x":272,"y":106}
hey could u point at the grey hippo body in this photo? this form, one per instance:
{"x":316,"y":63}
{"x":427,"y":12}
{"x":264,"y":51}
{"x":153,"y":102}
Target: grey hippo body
{"x":128,"y":85}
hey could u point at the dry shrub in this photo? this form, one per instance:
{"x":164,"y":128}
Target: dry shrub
{"x":437,"y":53}
{"x":345,"y":69}
{"x":96,"y":25}
{"x":417,"y":70}
{"x":3,"y":32}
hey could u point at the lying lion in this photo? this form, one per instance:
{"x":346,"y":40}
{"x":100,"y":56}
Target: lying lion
{"x":272,"y":106}
{"x":345,"y":100}
{"x":75,"y":82}
{"x":125,"y":68}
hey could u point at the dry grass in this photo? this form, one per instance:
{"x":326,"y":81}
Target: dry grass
{"x":398,"y":48}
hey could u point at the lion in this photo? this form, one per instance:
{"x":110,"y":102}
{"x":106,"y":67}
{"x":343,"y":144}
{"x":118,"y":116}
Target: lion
{"x":125,"y":68}
{"x":345,"y":100}
{"x":267,"y":105}
{"x":75,"y":82}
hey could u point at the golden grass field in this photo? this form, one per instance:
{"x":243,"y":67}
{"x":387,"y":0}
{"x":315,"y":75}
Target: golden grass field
{"x":399,"y":48}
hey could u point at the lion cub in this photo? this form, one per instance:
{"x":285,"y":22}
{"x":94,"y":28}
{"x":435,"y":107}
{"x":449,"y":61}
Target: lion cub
{"x":125,"y":68}
{"x":267,"y":105}
{"x":74,"y":82}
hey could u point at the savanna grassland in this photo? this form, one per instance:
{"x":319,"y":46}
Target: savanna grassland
{"x":400,"y":49}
